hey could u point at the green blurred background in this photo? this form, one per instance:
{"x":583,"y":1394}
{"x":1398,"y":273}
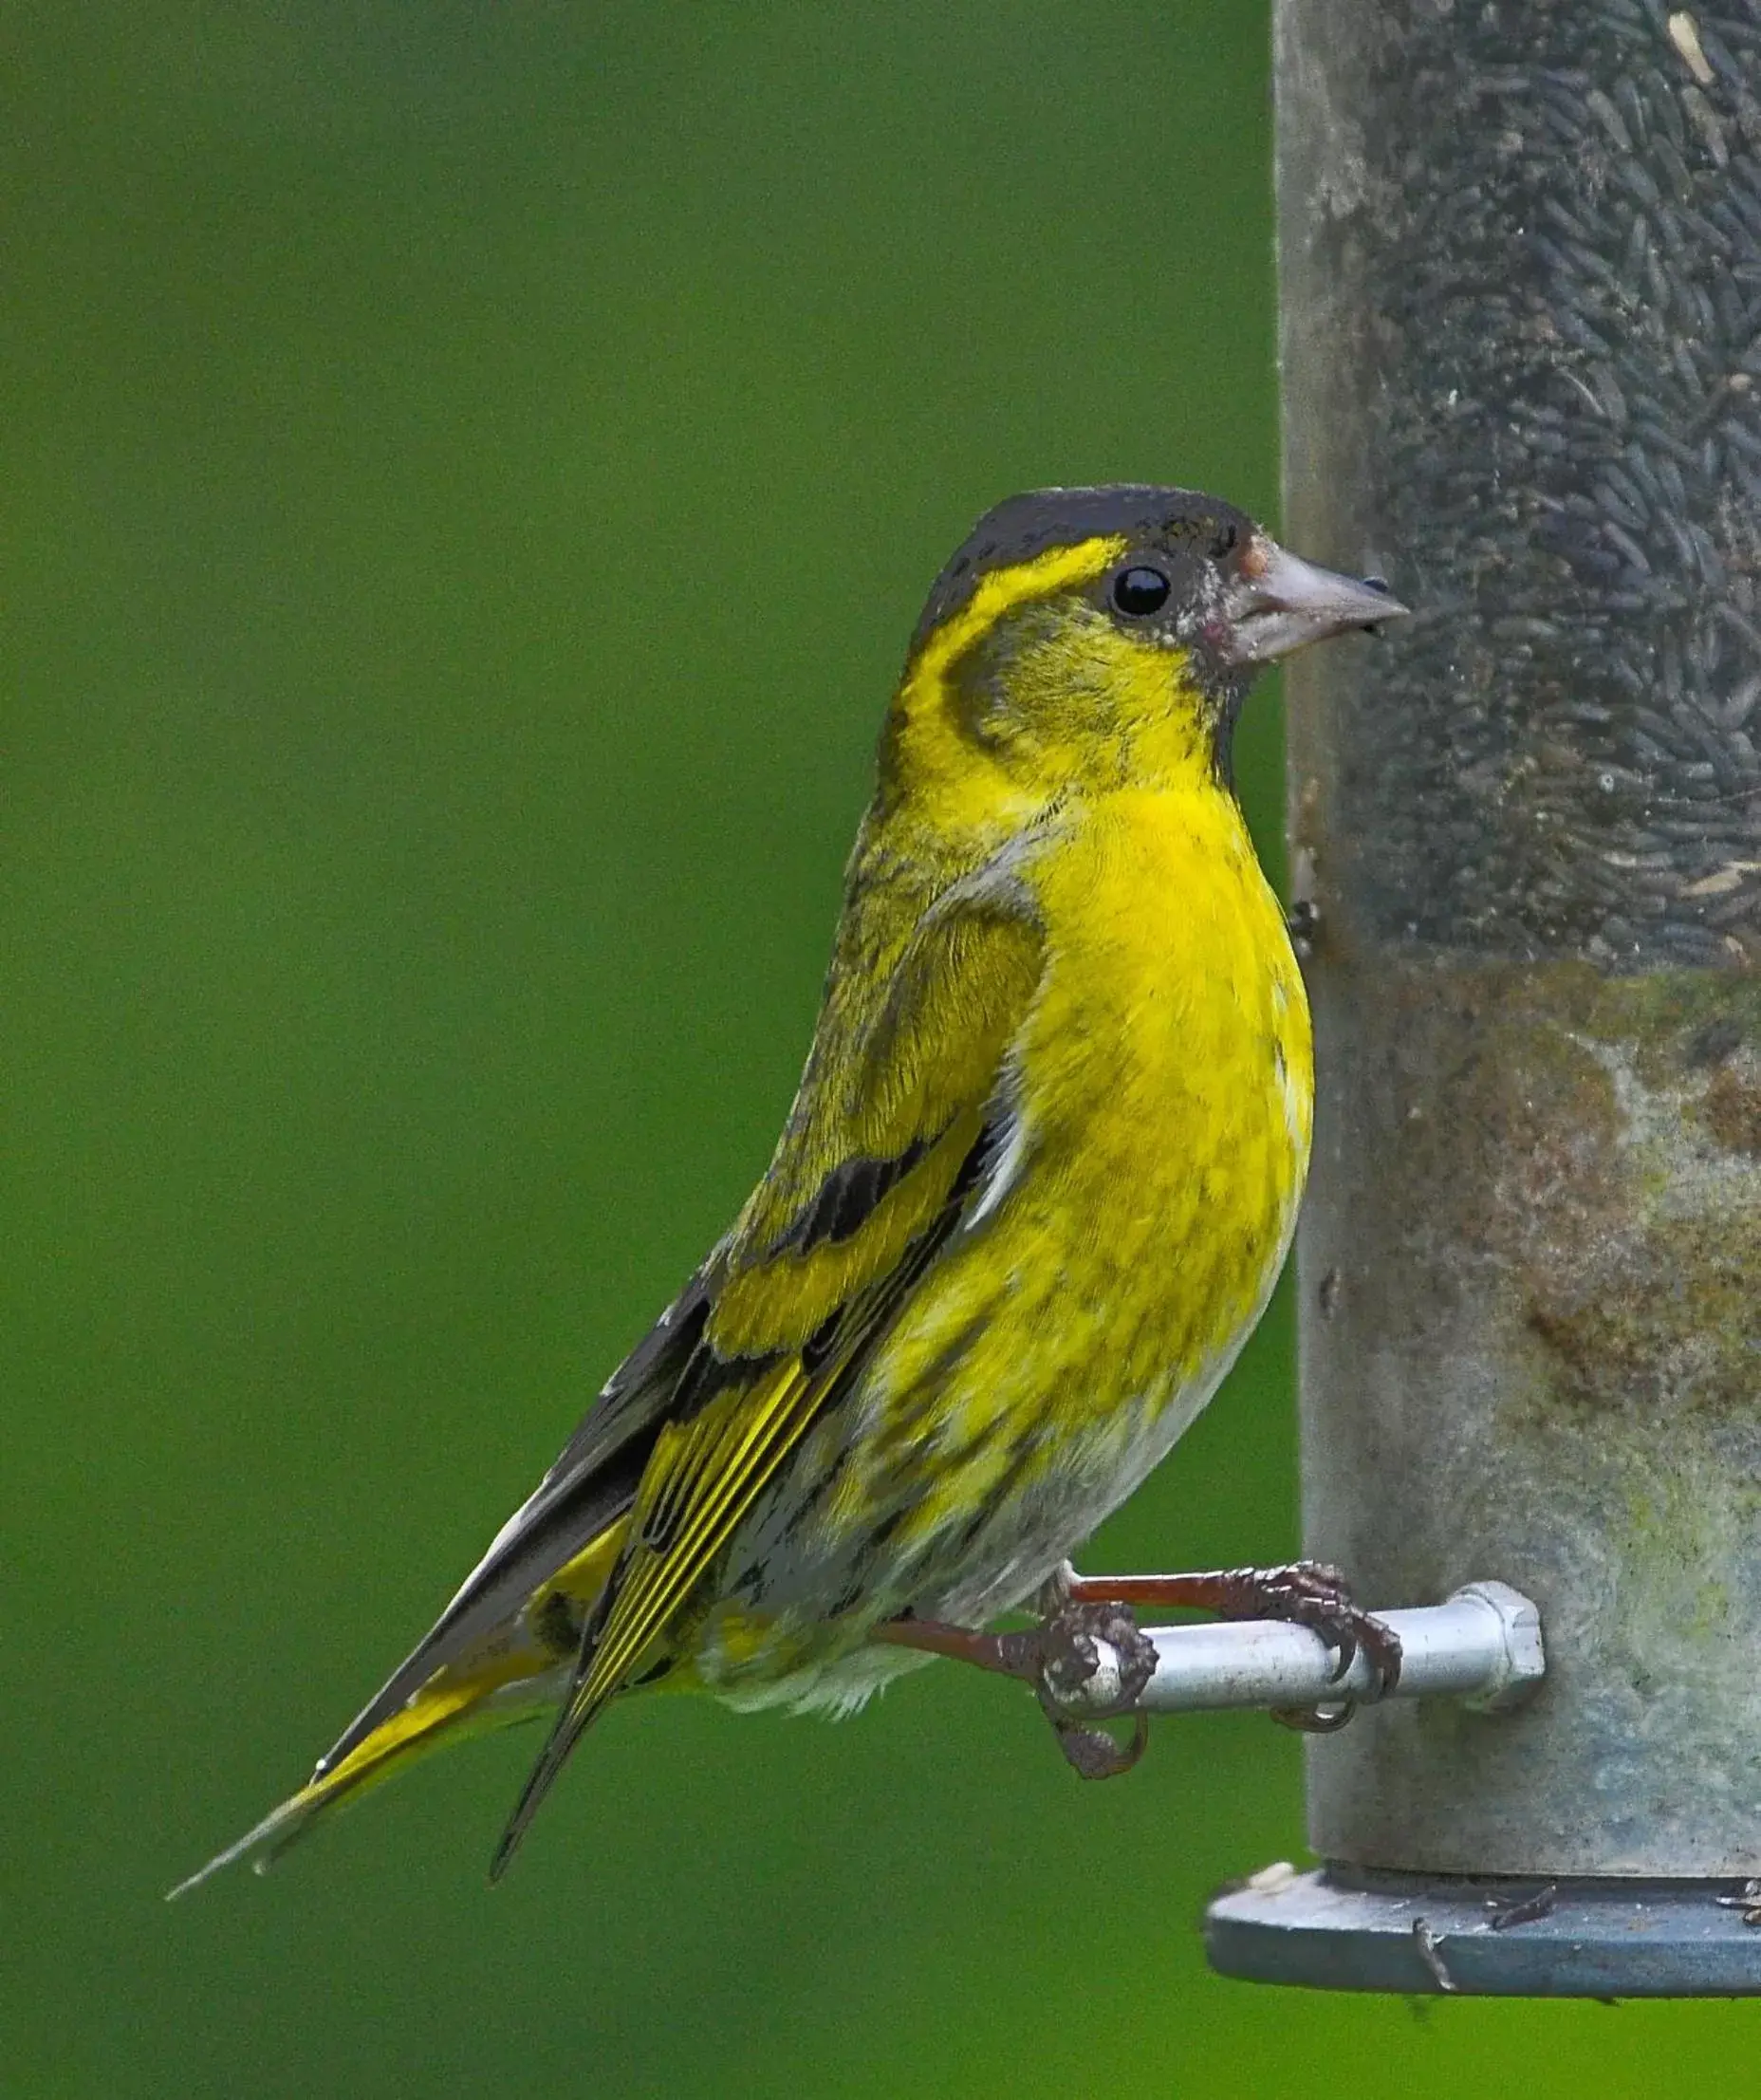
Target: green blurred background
{"x":468,"y":475}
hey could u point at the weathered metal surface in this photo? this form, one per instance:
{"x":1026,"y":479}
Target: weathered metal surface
{"x":1521,"y":249}
{"x":1419,"y":1934}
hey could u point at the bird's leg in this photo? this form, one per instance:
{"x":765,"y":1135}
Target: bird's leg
{"x":1305,"y":1593}
{"x":1010,"y":1654}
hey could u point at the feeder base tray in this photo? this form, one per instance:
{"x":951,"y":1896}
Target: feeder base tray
{"x":1343,"y":1928}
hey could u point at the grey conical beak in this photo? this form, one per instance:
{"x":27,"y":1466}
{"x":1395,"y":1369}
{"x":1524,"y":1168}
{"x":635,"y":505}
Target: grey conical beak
{"x":1277,"y":602}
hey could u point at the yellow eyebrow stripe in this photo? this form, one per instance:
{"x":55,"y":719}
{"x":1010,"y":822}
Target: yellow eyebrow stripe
{"x":1003,"y":589}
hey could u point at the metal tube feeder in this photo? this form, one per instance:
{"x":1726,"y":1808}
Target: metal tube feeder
{"x":1521,"y":280}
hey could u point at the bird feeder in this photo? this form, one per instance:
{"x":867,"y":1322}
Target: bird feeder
{"x":1521,"y":281}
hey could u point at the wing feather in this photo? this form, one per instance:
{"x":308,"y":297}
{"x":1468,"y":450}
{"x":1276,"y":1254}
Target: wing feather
{"x":904,"y":1102}
{"x":592,"y":1484}
{"x":703,"y":1479}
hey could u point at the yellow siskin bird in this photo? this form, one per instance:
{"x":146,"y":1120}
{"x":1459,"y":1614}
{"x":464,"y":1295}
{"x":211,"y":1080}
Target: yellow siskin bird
{"x":1033,"y":1194}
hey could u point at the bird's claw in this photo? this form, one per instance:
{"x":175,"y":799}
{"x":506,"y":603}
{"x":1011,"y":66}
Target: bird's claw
{"x":1310,"y":1593}
{"x":1065,"y":1648}
{"x":1068,"y":1645}
{"x":1092,"y":1753}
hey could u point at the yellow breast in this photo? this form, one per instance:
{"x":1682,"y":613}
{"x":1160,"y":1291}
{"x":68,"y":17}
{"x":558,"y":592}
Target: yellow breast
{"x":1165,"y":1088}
{"x":1170,"y":1066}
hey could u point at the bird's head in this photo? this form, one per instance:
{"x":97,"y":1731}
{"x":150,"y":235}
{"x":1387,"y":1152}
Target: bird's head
{"x":1089,"y":638}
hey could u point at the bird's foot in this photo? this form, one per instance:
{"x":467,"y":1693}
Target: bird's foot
{"x":1310,"y":1593}
{"x":1081,"y":1615}
{"x":1068,"y":1645}
{"x":1058,"y":1659}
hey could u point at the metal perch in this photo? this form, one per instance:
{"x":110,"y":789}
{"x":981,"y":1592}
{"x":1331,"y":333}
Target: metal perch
{"x":1483,"y":1647}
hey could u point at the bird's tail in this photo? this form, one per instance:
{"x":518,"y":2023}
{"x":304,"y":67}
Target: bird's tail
{"x":518,"y":1672}
{"x":458,"y":1702}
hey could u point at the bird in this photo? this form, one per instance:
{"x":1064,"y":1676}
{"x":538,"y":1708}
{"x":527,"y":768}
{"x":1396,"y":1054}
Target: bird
{"x":1033,"y":1194}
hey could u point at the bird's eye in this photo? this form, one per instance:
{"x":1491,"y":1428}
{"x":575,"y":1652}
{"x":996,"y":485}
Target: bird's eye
{"x":1140,"y":590}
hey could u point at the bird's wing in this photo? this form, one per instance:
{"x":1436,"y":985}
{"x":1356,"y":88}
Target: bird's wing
{"x":878,"y":1166}
{"x":900,"y":1111}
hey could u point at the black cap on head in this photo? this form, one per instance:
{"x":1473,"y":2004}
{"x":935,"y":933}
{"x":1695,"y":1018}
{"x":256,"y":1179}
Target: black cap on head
{"x":1024,"y":526}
